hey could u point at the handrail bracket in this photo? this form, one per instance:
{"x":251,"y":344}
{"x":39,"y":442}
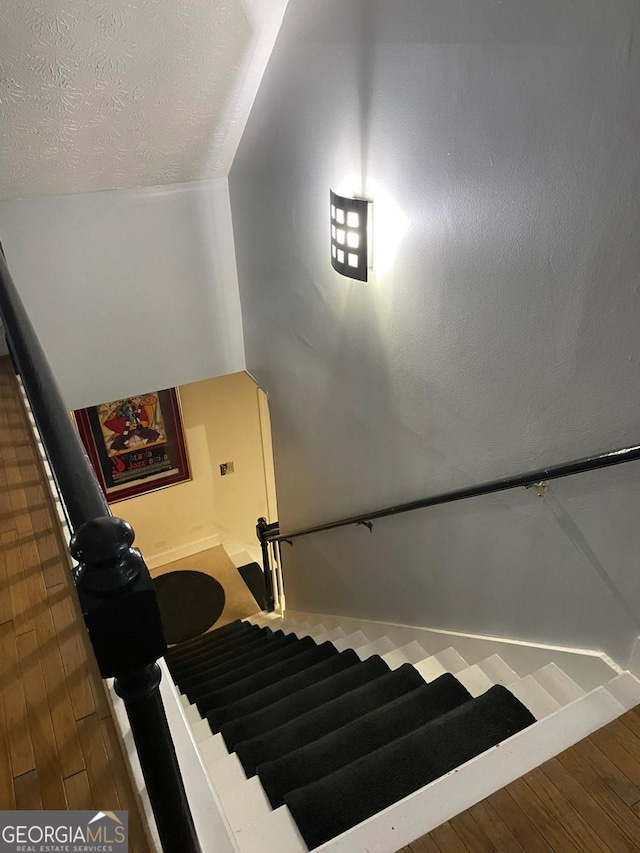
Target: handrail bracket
{"x":540,"y":487}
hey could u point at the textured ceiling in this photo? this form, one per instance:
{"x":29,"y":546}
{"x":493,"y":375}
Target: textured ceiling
{"x":102,"y":94}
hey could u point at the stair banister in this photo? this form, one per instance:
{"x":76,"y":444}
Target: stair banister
{"x":531,"y":478}
{"x":262,"y":529}
{"x":115,"y":590}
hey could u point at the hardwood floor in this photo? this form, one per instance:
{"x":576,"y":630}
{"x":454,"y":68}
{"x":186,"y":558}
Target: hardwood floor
{"x":58,"y":744}
{"x":585,"y":799}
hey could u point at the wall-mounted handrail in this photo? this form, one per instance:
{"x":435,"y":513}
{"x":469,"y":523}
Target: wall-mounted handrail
{"x":116,"y":593}
{"x":531,"y":478}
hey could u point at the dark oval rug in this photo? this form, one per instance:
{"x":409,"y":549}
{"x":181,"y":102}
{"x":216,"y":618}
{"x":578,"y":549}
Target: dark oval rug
{"x":190,"y":603}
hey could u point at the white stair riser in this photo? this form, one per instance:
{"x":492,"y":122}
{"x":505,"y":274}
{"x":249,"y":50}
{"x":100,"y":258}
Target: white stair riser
{"x":586,"y":668}
{"x":498,"y":671}
{"x":558,"y":684}
{"x":245,"y":803}
{"x":377,"y":647}
{"x":534,"y":697}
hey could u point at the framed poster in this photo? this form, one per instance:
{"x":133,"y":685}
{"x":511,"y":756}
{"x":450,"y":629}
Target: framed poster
{"x":135,"y":445}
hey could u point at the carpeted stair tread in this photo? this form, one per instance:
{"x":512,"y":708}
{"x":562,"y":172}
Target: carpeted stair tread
{"x":327,"y":718}
{"x":265,"y":677}
{"x":350,"y":795}
{"x":282,"y":653}
{"x":273,"y":693}
{"x":290,"y":707}
{"x":219,"y":665}
{"x":221,"y":646}
{"x":205,"y":661}
{"x":223,"y":631}
{"x":224,"y":651}
{"x":213,"y":644}
{"x":235,"y":627}
{"x":235,"y":669}
{"x":360,"y":737}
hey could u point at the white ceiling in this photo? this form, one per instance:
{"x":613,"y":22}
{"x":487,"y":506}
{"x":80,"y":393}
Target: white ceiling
{"x":104,"y":94}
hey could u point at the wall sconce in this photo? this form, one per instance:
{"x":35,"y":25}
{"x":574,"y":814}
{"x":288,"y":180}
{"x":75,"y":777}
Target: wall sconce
{"x":351,"y":236}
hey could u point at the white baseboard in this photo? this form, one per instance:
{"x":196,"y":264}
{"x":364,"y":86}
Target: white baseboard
{"x":153,"y":562}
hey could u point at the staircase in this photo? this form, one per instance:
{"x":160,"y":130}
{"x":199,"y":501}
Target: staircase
{"x":335,"y":734}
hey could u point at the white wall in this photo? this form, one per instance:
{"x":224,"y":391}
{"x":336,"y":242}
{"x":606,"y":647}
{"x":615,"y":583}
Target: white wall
{"x":129,"y":290}
{"x":499,"y":142}
{"x":222,"y":423}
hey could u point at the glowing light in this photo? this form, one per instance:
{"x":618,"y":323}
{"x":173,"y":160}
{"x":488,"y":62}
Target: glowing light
{"x":357,"y":212}
{"x":389,"y":222}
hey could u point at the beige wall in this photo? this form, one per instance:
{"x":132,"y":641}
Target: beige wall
{"x":224,"y":422}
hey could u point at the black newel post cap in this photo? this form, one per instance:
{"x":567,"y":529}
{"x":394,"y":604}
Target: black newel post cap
{"x":261,"y":528}
{"x":102,"y":547}
{"x":117,"y":597}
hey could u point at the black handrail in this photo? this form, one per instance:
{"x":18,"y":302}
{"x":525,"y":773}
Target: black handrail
{"x":531,"y":478}
{"x":116,"y":593}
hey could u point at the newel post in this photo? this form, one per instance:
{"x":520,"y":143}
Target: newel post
{"x":120,"y":610}
{"x":261,"y":531}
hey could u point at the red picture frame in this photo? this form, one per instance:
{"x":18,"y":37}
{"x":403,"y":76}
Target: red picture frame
{"x":136,"y":445}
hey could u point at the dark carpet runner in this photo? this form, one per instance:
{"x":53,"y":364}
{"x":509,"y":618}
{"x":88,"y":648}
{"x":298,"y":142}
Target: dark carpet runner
{"x":335,"y":739}
{"x":365,"y":734}
{"x":185,"y":651}
{"x":247,"y":644}
{"x":327,"y":718}
{"x":303,"y":700}
{"x":265,"y":677}
{"x":247,"y":661}
{"x":215,"y":645}
{"x":283,"y":650}
{"x":345,"y":798}
{"x":267,"y":696}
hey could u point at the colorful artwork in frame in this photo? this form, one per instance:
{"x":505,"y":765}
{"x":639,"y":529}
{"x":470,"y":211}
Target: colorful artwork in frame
{"x":135,"y":445}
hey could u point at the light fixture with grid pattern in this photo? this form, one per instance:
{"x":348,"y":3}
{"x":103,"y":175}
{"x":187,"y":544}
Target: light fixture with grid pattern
{"x":350,"y":236}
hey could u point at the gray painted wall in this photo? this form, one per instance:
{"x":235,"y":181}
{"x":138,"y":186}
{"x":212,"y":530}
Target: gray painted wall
{"x":129,"y":290}
{"x":499,"y":142}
